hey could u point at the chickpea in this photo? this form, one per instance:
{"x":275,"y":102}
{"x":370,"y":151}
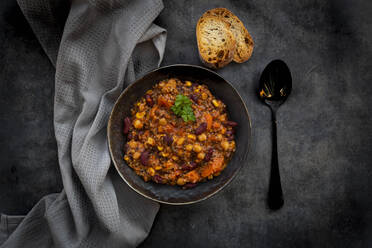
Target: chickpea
{"x":175,"y":158}
{"x":138,"y":124}
{"x":223,"y":130}
{"x":191,"y":136}
{"x":126,"y":157}
{"x":163,"y":121}
{"x":180,"y":141}
{"x":202,"y":137}
{"x":188,"y":83}
{"x":201,"y":155}
{"x":136,"y":155}
{"x":150,"y":141}
{"x":140,"y":115}
{"x":188,"y":147}
{"x":197,"y":148}
{"x":222,"y":118}
{"x":133,"y":144}
{"x":181,"y":181}
{"x":151,"y":171}
{"x":204,"y":96}
{"x":225,"y":145}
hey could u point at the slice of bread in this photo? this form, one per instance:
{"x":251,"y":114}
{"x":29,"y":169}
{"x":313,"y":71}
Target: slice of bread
{"x":244,"y":41}
{"x":216,"y":43}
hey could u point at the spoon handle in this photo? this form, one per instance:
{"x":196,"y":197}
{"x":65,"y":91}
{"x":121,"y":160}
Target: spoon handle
{"x":275,"y":195}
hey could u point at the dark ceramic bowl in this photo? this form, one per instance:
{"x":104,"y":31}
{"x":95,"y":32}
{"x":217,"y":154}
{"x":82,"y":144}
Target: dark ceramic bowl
{"x":220,"y":88}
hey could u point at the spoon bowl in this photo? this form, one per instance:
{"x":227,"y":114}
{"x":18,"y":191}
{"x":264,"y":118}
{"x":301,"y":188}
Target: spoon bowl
{"x":275,"y":83}
{"x":275,"y":87}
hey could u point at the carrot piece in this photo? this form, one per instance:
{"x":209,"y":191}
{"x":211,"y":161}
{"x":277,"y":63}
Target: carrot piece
{"x":152,"y":111}
{"x":192,"y":176}
{"x":207,"y":170}
{"x":169,"y":128}
{"x":164,"y":102}
{"x":216,"y":125}
{"x":209,"y":120}
{"x":217,"y":163}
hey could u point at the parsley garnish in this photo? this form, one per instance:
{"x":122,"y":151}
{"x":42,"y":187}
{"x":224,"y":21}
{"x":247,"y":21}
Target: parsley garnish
{"x":182,"y":107}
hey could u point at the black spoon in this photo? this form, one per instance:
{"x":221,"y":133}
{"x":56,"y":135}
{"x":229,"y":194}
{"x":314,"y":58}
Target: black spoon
{"x":275,"y":87}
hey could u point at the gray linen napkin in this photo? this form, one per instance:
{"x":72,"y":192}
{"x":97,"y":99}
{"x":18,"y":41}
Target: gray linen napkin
{"x":105,"y":45}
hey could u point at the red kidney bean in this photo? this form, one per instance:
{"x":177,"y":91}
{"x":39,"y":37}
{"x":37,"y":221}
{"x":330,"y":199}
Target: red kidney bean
{"x":189,"y":185}
{"x":230,"y":123}
{"x":149,"y":100}
{"x":180,"y":89}
{"x":194,"y":97}
{"x":189,"y":166}
{"x":130,"y":136}
{"x":209,"y":154}
{"x":193,"y":85}
{"x":201,"y":129}
{"x":158,"y":179}
{"x":192,"y":165}
{"x":145,"y":158}
{"x":167,"y":139}
{"x":127,"y":124}
{"x":230,"y":132}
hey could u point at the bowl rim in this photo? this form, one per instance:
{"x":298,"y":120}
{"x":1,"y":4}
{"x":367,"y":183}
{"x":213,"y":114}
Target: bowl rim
{"x":186,"y":202}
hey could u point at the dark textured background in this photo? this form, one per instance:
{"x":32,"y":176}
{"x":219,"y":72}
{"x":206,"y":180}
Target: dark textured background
{"x":324,"y":129}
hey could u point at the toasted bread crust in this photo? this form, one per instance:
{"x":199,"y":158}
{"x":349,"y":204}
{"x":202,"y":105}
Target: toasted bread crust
{"x":244,"y":41}
{"x":216,"y":42}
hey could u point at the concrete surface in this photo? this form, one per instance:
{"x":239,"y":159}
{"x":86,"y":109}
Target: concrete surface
{"x":324,"y":129}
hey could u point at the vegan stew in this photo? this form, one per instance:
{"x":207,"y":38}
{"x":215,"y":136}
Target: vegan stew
{"x":178,"y":134}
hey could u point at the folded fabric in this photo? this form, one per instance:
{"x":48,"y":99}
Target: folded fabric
{"x":105,"y":45}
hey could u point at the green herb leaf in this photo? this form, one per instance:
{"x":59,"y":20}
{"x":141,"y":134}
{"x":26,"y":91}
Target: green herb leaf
{"x":182,"y":108}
